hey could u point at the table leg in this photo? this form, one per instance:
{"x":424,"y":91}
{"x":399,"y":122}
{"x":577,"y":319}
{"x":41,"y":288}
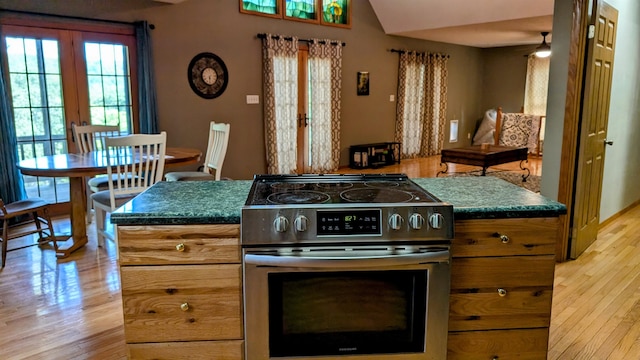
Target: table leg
{"x":78,"y":211}
{"x":524,"y":177}
{"x":446,"y":169}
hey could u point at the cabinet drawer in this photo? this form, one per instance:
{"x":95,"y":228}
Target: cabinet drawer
{"x":530,"y":344}
{"x":194,"y":350}
{"x":509,"y":308}
{"x":182,"y":303}
{"x":179,"y":244}
{"x":528,"y":236}
{"x":477,"y":274}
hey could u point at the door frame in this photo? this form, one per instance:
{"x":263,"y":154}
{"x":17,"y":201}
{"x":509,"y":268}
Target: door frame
{"x":572,"y":115}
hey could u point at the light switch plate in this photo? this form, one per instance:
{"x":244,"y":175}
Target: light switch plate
{"x":253,"y":99}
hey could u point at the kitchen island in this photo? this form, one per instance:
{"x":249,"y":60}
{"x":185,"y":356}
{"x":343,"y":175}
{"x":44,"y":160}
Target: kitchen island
{"x":180,"y":264}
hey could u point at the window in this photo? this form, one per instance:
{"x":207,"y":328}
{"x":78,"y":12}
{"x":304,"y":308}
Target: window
{"x":302,"y":123}
{"x":325,"y":12}
{"x":61,"y":74}
{"x":535,"y":95}
{"x":422,"y":103}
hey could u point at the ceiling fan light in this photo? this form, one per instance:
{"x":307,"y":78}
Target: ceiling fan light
{"x":543,"y":53}
{"x":544,"y":50}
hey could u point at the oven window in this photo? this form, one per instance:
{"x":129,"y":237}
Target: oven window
{"x":355,"y":312}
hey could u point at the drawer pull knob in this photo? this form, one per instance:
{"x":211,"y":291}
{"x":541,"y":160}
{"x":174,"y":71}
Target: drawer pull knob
{"x":180,"y":247}
{"x":503,"y":238}
{"x":184,"y":306}
{"x":502,"y":292}
{"x":495,"y":358}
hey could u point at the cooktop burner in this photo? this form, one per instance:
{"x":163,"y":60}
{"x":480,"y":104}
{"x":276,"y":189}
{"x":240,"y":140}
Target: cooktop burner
{"x":335,"y":189}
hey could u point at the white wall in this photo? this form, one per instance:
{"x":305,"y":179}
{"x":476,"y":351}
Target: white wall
{"x":622,"y":160}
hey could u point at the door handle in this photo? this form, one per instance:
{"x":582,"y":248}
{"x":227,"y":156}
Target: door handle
{"x":608,"y":142}
{"x":441,"y":256}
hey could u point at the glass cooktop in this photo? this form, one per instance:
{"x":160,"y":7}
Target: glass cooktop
{"x":310,"y":189}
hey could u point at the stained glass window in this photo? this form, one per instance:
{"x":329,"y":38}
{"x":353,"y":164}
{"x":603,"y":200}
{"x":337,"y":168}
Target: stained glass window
{"x":301,"y":9}
{"x":264,"y":7}
{"x":336,"y":12}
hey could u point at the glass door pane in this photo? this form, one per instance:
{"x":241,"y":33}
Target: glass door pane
{"x":109,"y":85}
{"x":36,"y":88}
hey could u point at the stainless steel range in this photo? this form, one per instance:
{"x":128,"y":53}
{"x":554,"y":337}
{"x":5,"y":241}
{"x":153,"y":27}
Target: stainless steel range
{"x":345,"y":267}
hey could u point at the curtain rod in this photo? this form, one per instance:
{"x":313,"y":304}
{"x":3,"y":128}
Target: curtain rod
{"x":263,"y":35}
{"x":420,"y":53}
{"x":79,"y":18}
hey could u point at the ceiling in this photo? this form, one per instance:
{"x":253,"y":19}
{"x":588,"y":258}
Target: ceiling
{"x":478,"y":23}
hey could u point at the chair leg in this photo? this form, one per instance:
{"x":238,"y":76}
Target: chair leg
{"x":5,"y":236}
{"x":100,"y":225}
{"x":52,"y":234}
{"x":36,"y":219}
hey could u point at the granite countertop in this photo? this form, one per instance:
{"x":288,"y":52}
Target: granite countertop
{"x":220,"y":202}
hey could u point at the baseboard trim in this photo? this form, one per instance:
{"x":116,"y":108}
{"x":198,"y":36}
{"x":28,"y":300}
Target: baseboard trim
{"x":615,"y":216}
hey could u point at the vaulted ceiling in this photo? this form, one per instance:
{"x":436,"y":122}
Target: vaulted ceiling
{"x":478,"y":23}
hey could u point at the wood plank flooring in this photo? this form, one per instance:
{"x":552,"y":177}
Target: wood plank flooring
{"x":71,"y":308}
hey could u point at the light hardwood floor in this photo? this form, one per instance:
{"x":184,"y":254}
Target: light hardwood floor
{"x":71,"y":308}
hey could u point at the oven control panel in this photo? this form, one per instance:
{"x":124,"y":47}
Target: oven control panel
{"x":287,"y":225}
{"x":349,"y":222}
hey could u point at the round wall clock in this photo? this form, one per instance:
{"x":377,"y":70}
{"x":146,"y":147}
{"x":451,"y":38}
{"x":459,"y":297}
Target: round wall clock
{"x":207,"y":75}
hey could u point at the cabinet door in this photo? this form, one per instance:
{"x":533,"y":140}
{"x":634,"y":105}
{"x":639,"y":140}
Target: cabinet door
{"x":179,"y":244}
{"x":508,"y":308}
{"x":530,"y":344}
{"x":501,"y":292}
{"x":192,"y":350}
{"x":502,"y":272}
{"x":503,"y":237}
{"x":182,"y":303}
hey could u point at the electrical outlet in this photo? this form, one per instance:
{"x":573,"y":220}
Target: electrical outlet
{"x":392,"y":98}
{"x":468,"y":135}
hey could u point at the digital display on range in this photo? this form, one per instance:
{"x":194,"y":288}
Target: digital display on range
{"x":349,"y":222}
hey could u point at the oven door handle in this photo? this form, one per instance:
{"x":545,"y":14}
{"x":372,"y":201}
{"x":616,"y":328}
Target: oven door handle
{"x":347,"y":262}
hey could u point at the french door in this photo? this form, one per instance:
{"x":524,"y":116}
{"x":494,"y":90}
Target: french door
{"x":59,"y":77}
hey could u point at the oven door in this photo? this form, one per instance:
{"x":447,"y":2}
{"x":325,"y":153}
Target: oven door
{"x":365,"y":303}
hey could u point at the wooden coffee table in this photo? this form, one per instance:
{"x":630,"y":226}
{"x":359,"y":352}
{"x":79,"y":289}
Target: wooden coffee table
{"x":489,"y":156}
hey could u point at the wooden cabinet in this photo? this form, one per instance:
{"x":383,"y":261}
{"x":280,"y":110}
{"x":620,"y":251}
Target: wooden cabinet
{"x":501,"y":288}
{"x":182,"y":291}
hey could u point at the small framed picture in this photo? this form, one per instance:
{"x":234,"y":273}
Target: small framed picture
{"x":363,"y":83}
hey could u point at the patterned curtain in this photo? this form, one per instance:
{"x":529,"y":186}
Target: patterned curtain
{"x":535,"y":95}
{"x":325,"y":72}
{"x":422,"y":103}
{"x":11,"y":186}
{"x":146,"y":80}
{"x":280,"y":81}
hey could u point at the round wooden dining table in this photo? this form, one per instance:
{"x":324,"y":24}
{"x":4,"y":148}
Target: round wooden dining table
{"x":78,"y":166}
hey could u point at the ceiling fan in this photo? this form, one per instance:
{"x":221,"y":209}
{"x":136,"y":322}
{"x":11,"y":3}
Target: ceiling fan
{"x":543,"y":50}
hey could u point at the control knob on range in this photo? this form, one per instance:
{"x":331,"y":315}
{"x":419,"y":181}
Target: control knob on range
{"x":281,"y":224}
{"x":436,"y":221}
{"x":395,"y":221}
{"x":416,"y":221}
{"x":301,"y":223}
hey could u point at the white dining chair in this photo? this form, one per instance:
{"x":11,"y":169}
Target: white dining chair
{"x":91,"y":138}
{"x":214,"y":158}
{"x":134,"y":162}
